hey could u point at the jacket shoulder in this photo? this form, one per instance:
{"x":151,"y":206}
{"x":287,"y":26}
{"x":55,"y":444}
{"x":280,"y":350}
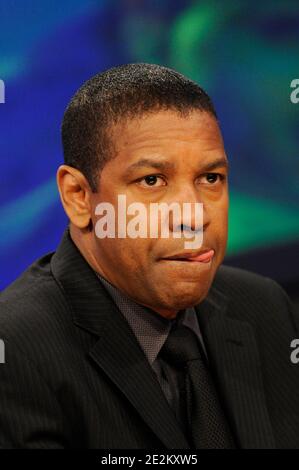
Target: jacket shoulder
{"x":255,"y":297}
{"x":231,"y":278}
{"x":33,"y":303}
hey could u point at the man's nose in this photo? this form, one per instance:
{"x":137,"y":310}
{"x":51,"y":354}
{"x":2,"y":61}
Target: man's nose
{"x":193,"y":213}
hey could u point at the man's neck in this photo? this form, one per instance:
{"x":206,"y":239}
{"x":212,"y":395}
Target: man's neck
{"x":83,"y":241}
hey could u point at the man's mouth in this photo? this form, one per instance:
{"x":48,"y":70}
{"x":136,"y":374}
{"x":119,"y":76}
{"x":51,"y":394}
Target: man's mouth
{"x":204,"y":256}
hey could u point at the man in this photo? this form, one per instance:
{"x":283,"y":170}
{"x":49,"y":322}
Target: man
{"x":120,"y":341}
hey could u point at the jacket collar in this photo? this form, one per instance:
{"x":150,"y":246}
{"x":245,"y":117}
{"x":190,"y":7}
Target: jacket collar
{"x":236,"y":364}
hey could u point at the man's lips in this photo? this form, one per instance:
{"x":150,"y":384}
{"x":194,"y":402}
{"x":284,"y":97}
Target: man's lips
{"x":203,"y":256}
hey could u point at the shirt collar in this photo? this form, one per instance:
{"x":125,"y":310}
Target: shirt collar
{"x":150,"y":328}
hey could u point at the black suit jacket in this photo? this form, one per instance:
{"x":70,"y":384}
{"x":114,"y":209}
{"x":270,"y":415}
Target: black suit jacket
{"x":75,"y":376}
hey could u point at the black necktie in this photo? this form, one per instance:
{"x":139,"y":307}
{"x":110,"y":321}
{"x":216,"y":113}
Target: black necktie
{"x":205,"y":421}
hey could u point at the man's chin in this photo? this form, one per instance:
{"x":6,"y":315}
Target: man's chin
{"x":188,"y":297}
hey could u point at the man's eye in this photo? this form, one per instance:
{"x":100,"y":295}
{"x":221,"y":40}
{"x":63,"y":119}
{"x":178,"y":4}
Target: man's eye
{"x":151,"y":180}
{"x":211,"y":178}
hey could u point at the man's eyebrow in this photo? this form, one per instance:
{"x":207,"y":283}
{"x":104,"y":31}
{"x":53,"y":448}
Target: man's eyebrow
{"x":149,"y":163}
{"x":164,"y":165}
{"x":218,"y":163}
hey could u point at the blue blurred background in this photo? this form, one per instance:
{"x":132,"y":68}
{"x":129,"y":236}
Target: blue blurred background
{"x":244,"y":53}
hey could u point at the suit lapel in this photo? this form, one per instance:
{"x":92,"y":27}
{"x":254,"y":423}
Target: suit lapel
{"x":234,"y":358}
{"x":119,"y":355}
{"x":116,"y":350}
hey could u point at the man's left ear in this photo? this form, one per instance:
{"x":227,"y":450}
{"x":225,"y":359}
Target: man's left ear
{"x":75,"y":195}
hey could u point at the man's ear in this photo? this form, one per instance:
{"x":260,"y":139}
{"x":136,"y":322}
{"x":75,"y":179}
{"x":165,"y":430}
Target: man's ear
{"x":75,"y":195}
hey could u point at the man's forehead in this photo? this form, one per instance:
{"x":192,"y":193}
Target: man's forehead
{"x":156,"y":128}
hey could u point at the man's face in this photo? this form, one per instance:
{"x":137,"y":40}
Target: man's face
{"x":178,"y":156}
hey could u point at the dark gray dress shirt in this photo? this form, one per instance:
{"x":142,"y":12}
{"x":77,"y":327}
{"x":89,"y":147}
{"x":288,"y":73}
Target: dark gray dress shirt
{"x":151,"y":331}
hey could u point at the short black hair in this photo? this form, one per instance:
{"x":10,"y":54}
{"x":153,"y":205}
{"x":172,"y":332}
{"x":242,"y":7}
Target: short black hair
{"x":120,"y":93}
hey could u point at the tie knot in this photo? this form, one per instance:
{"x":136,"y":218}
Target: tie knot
{"x":180,"y":346}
